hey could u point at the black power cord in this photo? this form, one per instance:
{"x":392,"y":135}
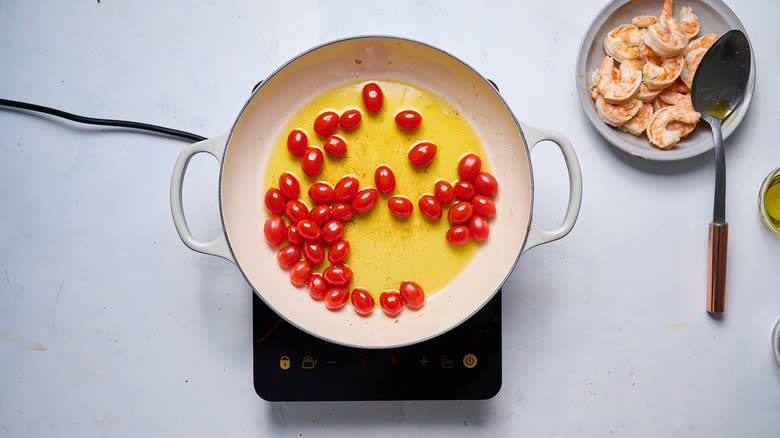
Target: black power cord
{"x":103,"y":122}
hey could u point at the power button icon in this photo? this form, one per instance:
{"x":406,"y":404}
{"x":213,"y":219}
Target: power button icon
{"x":469,"y":361}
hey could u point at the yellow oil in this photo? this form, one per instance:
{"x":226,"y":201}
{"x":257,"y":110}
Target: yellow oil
{"x":718,"y":109}
{"x":771,"y":203}
{"x":386,"y":250}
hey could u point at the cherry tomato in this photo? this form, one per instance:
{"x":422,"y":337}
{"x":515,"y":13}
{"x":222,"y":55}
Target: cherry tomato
{"x":342,"y":211}
{"x":320,"y":214}
{"x":289,"y":185}
{"x":365,"y":199}
{"x":318,"y":287}
{"x":297,"y":142}
{"x":384,"y":179}
{"x":332,"y":232}
{"x":443,"y":191}
{"x":337,"y":275}
{"x":458,"y":235}
{"x":486,"y":184}
{"x":408,"y":119}
{"x":326,"y":123}
{"x":274,"y":201}
{"x":300,"y":273}
{"x":321,"y":192}
{"x":469,"y":166}
{"x":412,"y":294}
{"x":372,"y":97}
{"x":309,"y":230}
{"x":422,"y":153}
{"x":346,"y":188}
{"x":479,"y":228}
{"x":362,"y":301}
{"x":430,"y":207}
{"x":350,"y":119}
{"x":460,"y":213}
{"x":391,"y":302}
{"x":336,"y":297}
{"x":311,"y":162}
{"x":335,"y":145}
{"x":293,"y":238}
{"x":288,"y":256}
{"x":338,"y":252}
{"x":296,"y":211}
{"x":464,"y":190}
{"x":483,"y":206}
{"x":400,"y":206}
{"x":314,"y":252}
{"x":274,"y":230}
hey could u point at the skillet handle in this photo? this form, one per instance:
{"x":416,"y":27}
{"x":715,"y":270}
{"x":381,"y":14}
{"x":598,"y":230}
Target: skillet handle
{"x":536,"y":235}
{"x":219,"y":246}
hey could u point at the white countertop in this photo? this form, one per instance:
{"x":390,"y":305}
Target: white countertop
{"x":110,"y":326}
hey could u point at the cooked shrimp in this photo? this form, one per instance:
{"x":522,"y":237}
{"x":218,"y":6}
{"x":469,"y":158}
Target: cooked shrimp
{"x":622,"y":43}
{"x":662,"y":72}
{"x":640,"y":121}
{"x":679,"y":100}
{"x":657,"y":131}
{"x":647,"y":94}
{"x":622,"y":87}
{"x":703,"y":42}
{"x":659,"y":104}
{"x":666,"y":37}
{"x":644,"y":21}
{"x":689,"y":23}
{"x":617,"y":115}
{"x":678,"y":86}
{"x":594,"y":78}
{"x":692,"y":60}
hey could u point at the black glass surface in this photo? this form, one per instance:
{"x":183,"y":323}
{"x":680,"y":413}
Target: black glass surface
{"x":462,"y":364}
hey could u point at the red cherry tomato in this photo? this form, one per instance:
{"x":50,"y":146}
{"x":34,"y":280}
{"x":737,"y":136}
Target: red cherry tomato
{"x":479,"y":228}
{"x":469,"y":166}
{"x":332,"y":232}
{"x":318,"y":287}
{"x":412,"y":294}
{"x":430,"y":207}
{"x":460,"y":213}
{"x":372,"y":97}
{"x":483,"y":206}
{"x":314,"y":252}
{"x":338,"y":252}
{"x":342,"y":211}
{"x":408,"y":119}
{"x":422,"y":153}
{"x":309,"y":230}
{"x":464,"y":190}
{"x":337,"y":275}
{"x":336,"y":297}
{"x":350,"y":119}
{"x":288,"y":256}
{"x":458,"y":235}
{"x":296,"y":211}
{"x":289,"y":185}
{"x":391,"y":302}
{"x":335,"y":145}
{"x":443,"y":191}
{"x":321,"y":192}
{"x":365,"y":199}
{"x":275,"y":230}
{"x":297,"y":142}
{"x":486,"y":184}
{"x":400,"y":206}
{"x":320,"y":214}
{"x":326,"y":123}
{"x":362,"y":301}
{"x":311,"y":162}
{"x":384,"y":179}
{"x":274,"y":201}
{"x":300,"y":273}
{"x":346,"y":188}
{"x":293,"y":237}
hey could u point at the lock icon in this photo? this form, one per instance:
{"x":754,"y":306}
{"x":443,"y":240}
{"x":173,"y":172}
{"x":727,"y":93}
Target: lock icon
{"x":308,"y":363}
{"x":284,"y":363}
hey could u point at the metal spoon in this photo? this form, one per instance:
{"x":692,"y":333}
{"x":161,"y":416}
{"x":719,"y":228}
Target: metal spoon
{"x":718,"y":86}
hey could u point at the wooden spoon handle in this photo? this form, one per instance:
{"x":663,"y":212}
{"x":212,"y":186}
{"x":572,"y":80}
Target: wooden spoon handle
{"x":716,"y":268}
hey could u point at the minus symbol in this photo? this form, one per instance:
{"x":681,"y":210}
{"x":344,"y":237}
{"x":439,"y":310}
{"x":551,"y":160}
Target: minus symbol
{"x":331,"y":361}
